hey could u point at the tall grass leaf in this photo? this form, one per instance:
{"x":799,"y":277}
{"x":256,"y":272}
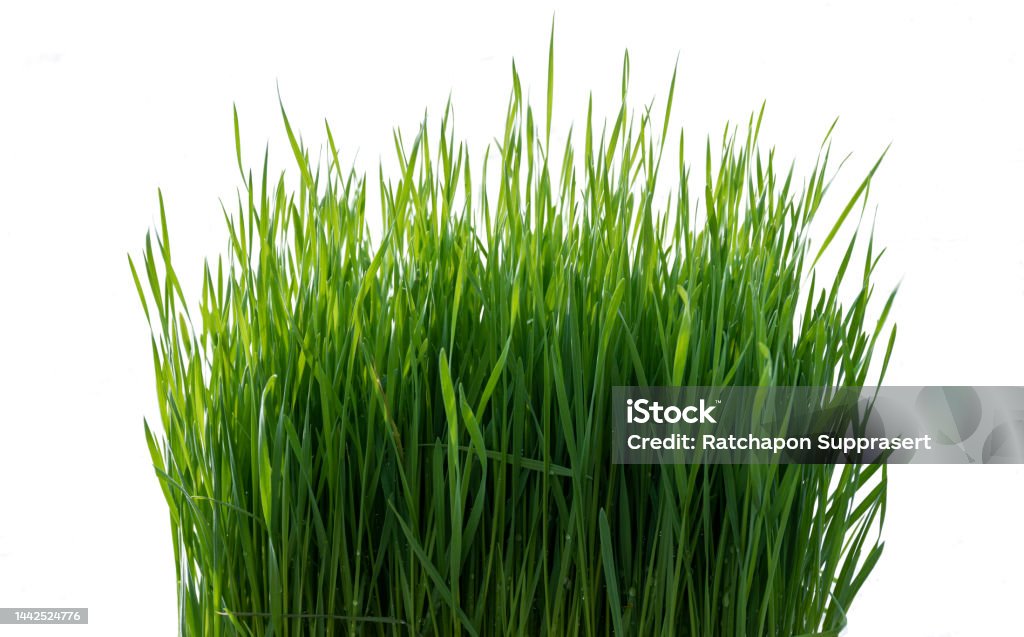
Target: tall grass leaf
{"x":448,"y":393}
{"x":841,"y":219}
{"x":682,"y":340}
{"x":610,"y":575}
{"x":263,"y":446}
{"x":323,"y":476}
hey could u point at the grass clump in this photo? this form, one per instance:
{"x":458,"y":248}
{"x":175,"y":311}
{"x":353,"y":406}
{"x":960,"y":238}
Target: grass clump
{"x":411,"y":435}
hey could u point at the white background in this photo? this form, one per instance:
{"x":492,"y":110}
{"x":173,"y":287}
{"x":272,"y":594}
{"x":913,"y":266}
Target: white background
{"x":101,"y":104}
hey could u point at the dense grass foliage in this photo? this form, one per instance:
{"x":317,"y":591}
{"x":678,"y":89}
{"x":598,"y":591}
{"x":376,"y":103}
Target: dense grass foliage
{"x":410,"y":435}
